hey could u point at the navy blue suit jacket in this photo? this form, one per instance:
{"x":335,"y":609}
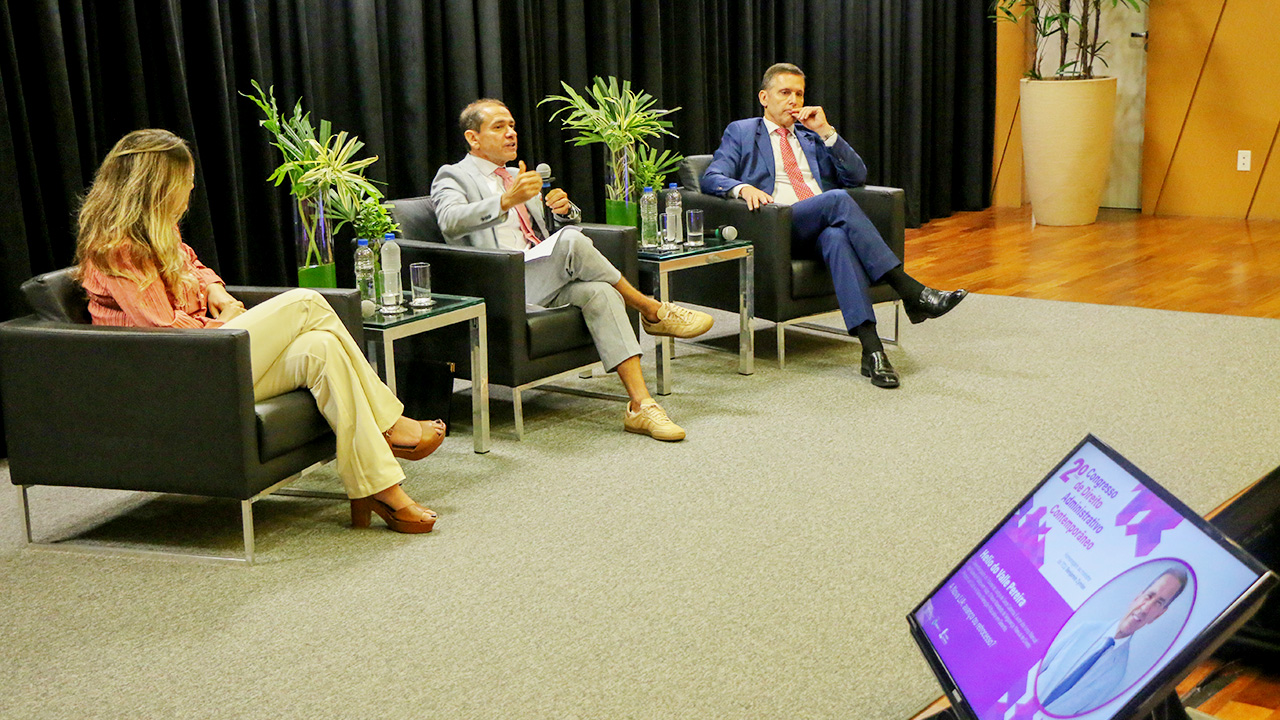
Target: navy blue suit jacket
{"x":745,"y":155}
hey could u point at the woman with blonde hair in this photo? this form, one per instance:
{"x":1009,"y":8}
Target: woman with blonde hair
{"x":138,"y":272}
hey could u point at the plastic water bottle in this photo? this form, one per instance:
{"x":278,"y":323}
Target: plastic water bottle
{"x":365,"y":271}
{"x":649,"y":219}
{"x":675,"y":215}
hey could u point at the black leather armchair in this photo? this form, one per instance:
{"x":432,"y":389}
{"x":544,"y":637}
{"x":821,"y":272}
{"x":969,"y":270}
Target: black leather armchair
{"x":529,"y":346}
{"x":792,"y":284}
{"x":147,"y":409}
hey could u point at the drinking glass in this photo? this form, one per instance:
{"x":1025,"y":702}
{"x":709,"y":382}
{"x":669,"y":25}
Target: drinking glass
{"x":693,"y":228}
{"x":391,"y":301}
{"x":420,"y":283}
{"x":669,"y":244}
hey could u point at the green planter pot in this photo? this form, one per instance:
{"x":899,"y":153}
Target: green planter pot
{"x":318,"y":276}
{"x":617,"y":212}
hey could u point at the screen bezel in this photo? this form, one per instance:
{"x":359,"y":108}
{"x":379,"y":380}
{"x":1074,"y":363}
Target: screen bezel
{"x":1152,"y":691}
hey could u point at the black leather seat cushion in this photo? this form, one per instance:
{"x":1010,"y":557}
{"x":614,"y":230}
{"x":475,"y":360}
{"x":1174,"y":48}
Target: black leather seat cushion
{"x":58,"y":297}
{"x":287,"y":422}
{"x":810,"y":278}
{"x":554,"y":330}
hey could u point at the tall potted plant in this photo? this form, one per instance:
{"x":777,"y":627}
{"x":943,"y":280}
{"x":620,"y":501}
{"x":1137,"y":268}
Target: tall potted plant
{"x":1068,"y":113}
{"x":623,"y":120}
{"x":327,"y":185}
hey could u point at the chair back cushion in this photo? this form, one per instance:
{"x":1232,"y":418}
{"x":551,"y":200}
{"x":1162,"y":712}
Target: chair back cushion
{"x":58,"y":297}
{"x":417,"y":218}
{"x":692,"y":169}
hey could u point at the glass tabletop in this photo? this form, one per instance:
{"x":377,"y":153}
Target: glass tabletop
{"x":683,"y":252}
{"x":443,"y":304}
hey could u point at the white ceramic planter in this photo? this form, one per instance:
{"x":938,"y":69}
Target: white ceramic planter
{"x":1066,"y":147}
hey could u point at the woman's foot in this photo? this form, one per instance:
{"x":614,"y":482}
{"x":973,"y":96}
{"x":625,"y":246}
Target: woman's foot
{"x":414,"y":439}
{"x":396,"y":508}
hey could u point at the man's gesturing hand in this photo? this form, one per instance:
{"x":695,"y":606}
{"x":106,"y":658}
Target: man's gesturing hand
{"x":754,"y":196}
{"x":527,"y":185}
{"x":558,"y":201}
{"x":815,"y":118}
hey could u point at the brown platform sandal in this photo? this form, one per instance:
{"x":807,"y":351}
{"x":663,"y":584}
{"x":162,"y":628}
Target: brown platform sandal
{"x":402,"y":520}
{"x":427,"y":444}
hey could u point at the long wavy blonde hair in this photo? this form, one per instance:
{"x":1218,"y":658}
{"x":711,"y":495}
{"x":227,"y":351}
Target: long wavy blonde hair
{"x":129,"y":219}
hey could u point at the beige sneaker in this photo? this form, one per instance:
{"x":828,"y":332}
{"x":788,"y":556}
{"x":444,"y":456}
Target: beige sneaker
{"x":652,"y":420}
{"x":677,"y":321}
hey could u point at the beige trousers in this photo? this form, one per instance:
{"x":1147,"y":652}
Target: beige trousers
{"x":297,"y":341}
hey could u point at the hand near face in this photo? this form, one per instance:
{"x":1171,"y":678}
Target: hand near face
{"x":558,"y":201}
{"x":814,"y":118}
{"x":527,"y":185}
{"x":754,"y":196}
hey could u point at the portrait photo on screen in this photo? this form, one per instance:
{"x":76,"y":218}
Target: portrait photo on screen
{"x":1116,"y":637}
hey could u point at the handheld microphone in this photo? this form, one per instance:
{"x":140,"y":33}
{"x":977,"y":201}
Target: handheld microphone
{"x":725,"y":233}
{"x":544,"y":170}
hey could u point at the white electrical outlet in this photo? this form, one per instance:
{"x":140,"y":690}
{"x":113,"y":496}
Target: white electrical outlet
{"x":1243,"y":160}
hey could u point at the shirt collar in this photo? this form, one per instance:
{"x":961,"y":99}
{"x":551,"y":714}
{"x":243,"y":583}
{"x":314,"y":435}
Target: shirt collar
{"x":773,"y":127}
{"x":1111,"y":633}
{"x":485,"y":167}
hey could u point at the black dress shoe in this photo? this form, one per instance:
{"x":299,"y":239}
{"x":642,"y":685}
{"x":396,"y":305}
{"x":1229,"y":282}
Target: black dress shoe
{"x":876,"y":366}
{"x":932,"y":304}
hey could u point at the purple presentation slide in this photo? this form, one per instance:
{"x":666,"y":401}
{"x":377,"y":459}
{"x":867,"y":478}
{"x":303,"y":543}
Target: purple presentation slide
{"x":1092,"y":586}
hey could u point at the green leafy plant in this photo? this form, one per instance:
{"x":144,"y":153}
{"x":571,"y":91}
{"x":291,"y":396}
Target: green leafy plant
{"x":652,"y":169}
{"x":372,"y":220}
{"x":1075,"y":23}
{"x":623,"y":120}
{"x":318,"y":165}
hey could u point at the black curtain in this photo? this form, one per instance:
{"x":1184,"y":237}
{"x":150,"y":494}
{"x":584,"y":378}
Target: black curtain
{"x":910,"y":83}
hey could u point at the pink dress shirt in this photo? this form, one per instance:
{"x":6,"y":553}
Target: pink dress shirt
{"x":120,"y":301}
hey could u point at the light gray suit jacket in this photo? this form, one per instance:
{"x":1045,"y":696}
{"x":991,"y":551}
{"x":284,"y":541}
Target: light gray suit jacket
{"x":468,"y":209}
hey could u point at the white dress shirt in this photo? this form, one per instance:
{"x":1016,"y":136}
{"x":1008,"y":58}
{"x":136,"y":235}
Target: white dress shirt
{"x":783,"y":193}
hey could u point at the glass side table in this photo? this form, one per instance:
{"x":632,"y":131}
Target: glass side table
{"x":663,"y":264}
{"x":381,"y":331}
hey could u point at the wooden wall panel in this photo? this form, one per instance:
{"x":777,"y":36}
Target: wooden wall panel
{"x":1235,"y":107}
{"x":1006,"y":176}
{"x":1266,"y":204}
{"x":1181,"y":33}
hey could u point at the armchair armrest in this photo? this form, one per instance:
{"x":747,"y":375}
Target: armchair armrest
{"x":344,"y":301}
{"x":886,"y":208}
{"x":128,"y":408}
{"x":620,"y":244}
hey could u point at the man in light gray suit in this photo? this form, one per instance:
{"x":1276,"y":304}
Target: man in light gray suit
{"x":474,"y":199}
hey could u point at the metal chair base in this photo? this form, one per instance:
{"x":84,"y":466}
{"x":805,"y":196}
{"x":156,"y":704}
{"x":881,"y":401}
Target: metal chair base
{"x":585,"y":371}
{"x":246,"y":522}
{"x":807,"y":323}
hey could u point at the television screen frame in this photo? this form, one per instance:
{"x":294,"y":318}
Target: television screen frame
{"x":1154,"y":689}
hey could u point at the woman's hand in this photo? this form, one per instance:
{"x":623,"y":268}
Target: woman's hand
{"x":221,"y":304}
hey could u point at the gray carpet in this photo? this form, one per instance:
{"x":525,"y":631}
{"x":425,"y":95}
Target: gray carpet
{"x":761,"y":568}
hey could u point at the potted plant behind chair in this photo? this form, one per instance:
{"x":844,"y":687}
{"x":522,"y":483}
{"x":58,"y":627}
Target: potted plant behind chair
{"x":1068,"y":116}
{"x":326,"y":184}
{"x":621,"y":119}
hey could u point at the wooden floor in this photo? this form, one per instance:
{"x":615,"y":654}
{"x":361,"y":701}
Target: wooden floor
{"x":1126,"y":258}
{"x":1197,"y":264}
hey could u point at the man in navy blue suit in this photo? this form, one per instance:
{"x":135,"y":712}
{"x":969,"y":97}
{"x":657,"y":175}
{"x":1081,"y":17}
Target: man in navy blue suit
{"x":793,"y":156}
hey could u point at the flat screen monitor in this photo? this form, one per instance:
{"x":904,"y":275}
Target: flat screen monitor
{"x":1091,"y":599}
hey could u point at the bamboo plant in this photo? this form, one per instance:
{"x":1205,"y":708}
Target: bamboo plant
{"x":319,"y":167}
{"x":1075,"y":23}
{"x":623,"y":120}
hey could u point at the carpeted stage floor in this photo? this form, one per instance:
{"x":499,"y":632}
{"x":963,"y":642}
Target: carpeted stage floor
{"x":761,"y":568}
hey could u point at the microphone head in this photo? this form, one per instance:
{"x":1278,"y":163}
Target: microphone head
{"x":544,"y":170}
{"x":729,"y":232}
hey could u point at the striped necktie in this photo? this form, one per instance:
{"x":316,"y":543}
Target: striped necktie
{"x":802,"y":189}
{"x":1084,"y":667}
{"x":526,"y":225}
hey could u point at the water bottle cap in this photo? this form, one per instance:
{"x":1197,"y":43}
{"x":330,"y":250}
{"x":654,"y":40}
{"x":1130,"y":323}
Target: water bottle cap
{"x":389,"y":236}
{"x":648,"y":188}
{"x":672,"y":186}
{"x":362,"y":242}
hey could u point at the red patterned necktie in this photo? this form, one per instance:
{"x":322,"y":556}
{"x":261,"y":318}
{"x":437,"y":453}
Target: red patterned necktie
{"x":526,"y":226}
{"x":802,"y":189}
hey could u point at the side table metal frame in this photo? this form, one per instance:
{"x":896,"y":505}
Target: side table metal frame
{"x":745,"y":255}
{"x":479,"y":359}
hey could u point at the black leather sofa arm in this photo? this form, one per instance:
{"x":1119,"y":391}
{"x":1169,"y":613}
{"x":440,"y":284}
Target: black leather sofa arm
{"x":620,"y":244}
{"x":180,"y":402}
{"x":344,"y":301}
{"x":886,"y":207}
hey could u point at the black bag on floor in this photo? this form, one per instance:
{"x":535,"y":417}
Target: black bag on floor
{"x":425,"y":387}
{"x":1253,"y":521}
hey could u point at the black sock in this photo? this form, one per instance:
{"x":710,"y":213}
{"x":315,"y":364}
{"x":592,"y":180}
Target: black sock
{"x":869,"y":337}
{"x":907,"y":287}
